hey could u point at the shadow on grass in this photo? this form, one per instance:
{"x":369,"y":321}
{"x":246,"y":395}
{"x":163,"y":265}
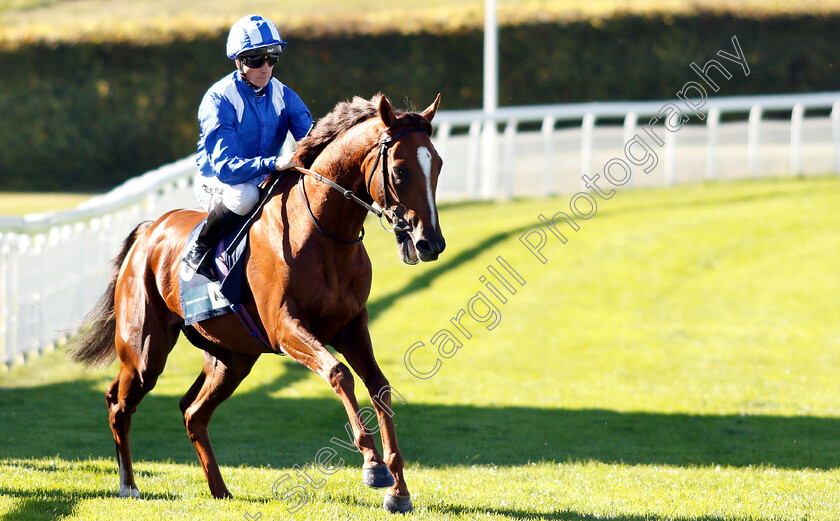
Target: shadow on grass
{"x":425,"y":279}
{"x":253,"y":428}
{"x":48,"y":505}
{"x":561,"y":515}
{"x":39,"y":505}
{"x":571,"y":515}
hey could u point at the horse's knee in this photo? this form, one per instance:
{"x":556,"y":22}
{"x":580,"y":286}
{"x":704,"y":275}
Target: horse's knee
{"x":340,"y":378}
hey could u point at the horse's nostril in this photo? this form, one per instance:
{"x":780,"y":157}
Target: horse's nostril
{"x":432,"y":248}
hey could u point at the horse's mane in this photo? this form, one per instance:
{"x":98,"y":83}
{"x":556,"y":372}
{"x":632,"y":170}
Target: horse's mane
{"x":345,"y":115}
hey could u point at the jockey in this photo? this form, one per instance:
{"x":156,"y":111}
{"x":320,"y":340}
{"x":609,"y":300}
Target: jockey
{"x":244,"y":119}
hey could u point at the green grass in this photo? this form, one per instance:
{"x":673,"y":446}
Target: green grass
{"x":22,"y":21}
{"x":23,"y":203}
{"x":676,"y":359}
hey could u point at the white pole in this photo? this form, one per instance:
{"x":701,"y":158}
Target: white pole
{"x":712,"y":127}
{"x":548,"y":152}
{"x":835,"y":126}
{"x":473,"y":159}
{"x":587,"y":139}
{"x":510,"y":157}
{"x":796,"y":117}
{"x":489,"y":159}
{"x":671,"y":158}
{"x":489,"y":170}
{"x":491,"y":57}
{"x":754,"y":139}
{"x":630,"y":121}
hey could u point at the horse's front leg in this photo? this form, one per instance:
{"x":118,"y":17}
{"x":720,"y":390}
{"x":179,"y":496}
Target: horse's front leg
{"x":354,"y":343}
{"x":300,"y":344}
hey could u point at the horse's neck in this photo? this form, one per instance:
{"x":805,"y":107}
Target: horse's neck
{"x":344,"y":158}
{"x":342,"y":162}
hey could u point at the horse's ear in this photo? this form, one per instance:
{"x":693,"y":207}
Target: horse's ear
{"x":386,"y":111}
{"x":430,"y":111}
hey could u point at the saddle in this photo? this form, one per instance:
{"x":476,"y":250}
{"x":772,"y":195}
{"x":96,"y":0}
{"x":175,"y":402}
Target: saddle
{"x":203,"y":298}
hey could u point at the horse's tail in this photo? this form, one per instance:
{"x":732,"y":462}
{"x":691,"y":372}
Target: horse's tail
{"x":95,"y":346}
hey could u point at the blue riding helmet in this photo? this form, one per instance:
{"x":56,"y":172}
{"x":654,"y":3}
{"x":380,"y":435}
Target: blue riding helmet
{"x":253,"y":32}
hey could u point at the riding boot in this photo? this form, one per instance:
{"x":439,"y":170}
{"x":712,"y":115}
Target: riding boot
{"x":199,"y":258}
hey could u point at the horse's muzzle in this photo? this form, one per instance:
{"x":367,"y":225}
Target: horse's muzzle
{"x":428,"y":250}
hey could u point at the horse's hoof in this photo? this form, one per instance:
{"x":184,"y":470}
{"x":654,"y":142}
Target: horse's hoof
{"x":397,"y":504}
{"x":378,"y":476}
{"x":129,"y":492}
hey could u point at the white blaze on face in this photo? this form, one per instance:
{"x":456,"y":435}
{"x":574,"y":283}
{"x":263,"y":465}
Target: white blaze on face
{"x":424,"y":157}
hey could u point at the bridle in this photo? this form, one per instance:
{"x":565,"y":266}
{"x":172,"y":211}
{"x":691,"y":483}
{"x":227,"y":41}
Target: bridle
{"x":397,"y":222}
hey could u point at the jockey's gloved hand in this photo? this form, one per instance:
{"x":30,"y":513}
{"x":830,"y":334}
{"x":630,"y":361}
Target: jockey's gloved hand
{"x":284,"y":162}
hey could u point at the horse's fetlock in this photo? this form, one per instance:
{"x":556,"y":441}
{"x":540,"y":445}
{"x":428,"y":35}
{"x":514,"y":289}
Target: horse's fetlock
{"x":394,"y":460}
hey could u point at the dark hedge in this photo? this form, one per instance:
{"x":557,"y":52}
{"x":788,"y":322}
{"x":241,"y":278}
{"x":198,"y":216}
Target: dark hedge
{"x":85,"y":117}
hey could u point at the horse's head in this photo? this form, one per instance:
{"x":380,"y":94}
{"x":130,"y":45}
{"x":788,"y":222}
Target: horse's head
{"x":404,"y":179}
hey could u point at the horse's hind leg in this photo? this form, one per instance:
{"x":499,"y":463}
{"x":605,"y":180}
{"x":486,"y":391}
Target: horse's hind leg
{"x":217,"y":381}
{"x":120,"y":424}
{"x":142,"y":353}
{"x":123,"y":396}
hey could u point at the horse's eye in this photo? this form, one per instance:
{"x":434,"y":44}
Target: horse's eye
{"x":398,"y":175}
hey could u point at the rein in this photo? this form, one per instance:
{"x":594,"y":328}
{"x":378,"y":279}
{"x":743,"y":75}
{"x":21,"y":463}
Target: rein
{"x":347,"y":194}
{"x":397,"y":222}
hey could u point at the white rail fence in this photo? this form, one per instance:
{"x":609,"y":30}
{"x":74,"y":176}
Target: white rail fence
{"x":54,"y":267}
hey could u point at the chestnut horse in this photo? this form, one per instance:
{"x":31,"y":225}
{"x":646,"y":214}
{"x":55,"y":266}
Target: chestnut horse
{"x":309,"y":279}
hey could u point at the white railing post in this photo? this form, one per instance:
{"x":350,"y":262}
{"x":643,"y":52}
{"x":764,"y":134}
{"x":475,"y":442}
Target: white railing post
{"x":38,"y":252}
{"x":473,"y":159}
{"x":670,"y":157}
{"x":21,"y":304}
{"x":489,"y":159}
{"x":754,"y":139}
{"x":796,"y":117}
{"x":548,"y":153}
{"x":5,"y":308}
{"x":441,"y":136}
{"x":14,"y":300}
{"x":586,"y":143}
{"x":712,"y":126}
{"x":509,"y":171}
{"x":835,"y":134}
{"x":630,"y":121}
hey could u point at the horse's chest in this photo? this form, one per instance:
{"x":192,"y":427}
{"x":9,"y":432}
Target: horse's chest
{"x":336,"y":294}
{"x":340,"y":301}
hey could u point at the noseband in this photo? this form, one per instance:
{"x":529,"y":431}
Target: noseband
{"x":397,"y":222}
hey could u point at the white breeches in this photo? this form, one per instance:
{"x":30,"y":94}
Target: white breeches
{"x":239,"y":199}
